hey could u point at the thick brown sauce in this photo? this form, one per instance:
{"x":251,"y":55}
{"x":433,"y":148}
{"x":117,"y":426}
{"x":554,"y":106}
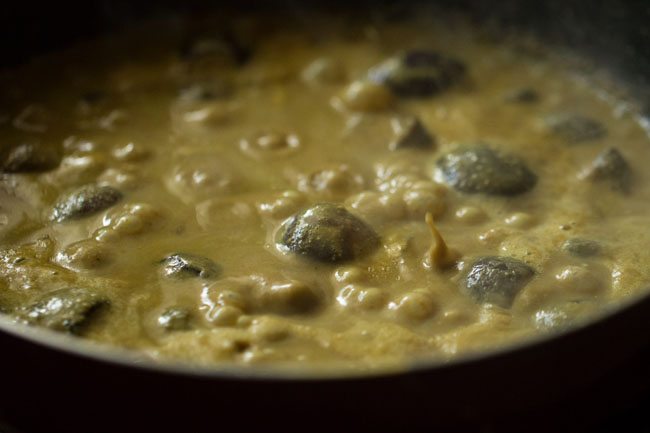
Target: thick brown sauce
{"x":218,"y":177}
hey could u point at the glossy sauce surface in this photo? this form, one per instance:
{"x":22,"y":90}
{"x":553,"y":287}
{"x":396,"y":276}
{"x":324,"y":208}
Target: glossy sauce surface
{"x":262,"y":193}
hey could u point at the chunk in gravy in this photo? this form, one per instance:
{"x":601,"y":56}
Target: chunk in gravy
{"x":295,"y":192}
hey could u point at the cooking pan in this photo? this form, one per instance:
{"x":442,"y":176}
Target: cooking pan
{"x":55,"y":383}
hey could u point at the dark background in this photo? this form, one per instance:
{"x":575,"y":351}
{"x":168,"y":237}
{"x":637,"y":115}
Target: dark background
{"x":612,"y":31}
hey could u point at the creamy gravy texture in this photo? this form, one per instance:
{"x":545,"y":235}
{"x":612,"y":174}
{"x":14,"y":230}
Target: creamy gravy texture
{"x":323,"y":191}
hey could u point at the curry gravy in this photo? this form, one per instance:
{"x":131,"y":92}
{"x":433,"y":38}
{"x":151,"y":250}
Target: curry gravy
{"x":323,"y":192}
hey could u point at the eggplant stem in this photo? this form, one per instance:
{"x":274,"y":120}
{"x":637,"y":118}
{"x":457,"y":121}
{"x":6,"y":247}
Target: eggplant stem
{"x":439,"y":255}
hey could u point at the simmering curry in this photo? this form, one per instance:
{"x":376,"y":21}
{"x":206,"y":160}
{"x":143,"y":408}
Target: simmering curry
{"x":346,"y":192}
